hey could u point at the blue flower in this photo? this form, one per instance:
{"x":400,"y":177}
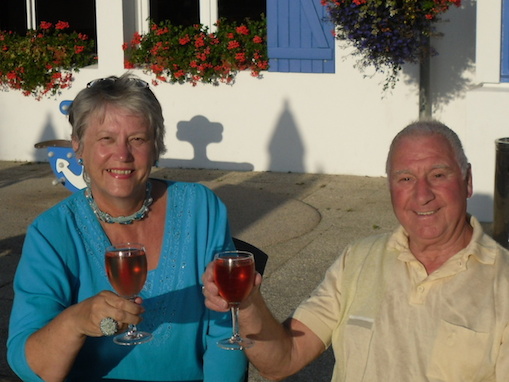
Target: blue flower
{"x":387,"y":34}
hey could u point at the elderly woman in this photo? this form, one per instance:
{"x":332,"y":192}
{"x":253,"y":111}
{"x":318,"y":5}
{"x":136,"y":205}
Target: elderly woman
{"x":63,"y":299}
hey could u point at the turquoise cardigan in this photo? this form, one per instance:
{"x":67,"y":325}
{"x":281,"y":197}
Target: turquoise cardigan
{"x":63,"y":263}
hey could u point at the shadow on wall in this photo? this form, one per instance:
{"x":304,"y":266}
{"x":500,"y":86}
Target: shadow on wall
{"x":48,"y":133}
{"x":478,"y":204}
{"x":455,"y":44}
{"x":200,"y":132}
{"x":286,"y":149}
{"x":456,"y":48}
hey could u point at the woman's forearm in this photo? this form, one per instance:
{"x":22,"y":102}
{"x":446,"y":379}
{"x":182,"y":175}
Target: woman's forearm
{"x":51,"y":350}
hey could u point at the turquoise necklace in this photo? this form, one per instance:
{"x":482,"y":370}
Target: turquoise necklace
{"x":107,"y":218}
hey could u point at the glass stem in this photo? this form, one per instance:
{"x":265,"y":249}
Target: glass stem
{"x":131,"y":330}
{"x":235,"y":322}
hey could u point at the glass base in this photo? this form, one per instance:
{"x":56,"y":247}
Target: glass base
{"x":132,"y":338}
{"x":235,"y":343}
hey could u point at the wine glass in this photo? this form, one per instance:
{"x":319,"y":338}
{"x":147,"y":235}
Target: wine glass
{"x":234,"y":273}
{"x":126,"y":266}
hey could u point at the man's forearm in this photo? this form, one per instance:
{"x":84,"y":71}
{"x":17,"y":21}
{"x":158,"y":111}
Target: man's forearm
{"x":280,"y":350}
{"x":271,"y":351}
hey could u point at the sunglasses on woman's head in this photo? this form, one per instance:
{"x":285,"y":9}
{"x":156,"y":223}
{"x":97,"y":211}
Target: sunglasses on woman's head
{"x":111,"y":80}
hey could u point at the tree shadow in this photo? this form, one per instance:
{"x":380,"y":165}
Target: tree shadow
{"x":200,"y":133}
{"x":456,"y":49}
{"x":455,"y":58}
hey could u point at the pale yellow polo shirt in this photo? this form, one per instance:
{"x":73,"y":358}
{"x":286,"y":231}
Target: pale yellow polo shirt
{"x":387,"y":320}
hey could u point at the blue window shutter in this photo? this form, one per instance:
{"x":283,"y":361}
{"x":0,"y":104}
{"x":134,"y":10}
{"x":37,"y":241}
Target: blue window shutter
{"x":504,"y":65}
{"x":299,"y":37}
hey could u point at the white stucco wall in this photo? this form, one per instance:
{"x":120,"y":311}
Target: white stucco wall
{"x":338,"y":123}
{"x":467,"y":93}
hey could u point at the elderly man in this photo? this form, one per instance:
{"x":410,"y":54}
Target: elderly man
{"x":428,"y":302}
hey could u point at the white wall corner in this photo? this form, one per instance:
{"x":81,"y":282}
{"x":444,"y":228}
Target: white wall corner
{"x":209,"y":13}
{"x":110,"y":35}
{"x":142,"y":16}
{"x":488,"y":41}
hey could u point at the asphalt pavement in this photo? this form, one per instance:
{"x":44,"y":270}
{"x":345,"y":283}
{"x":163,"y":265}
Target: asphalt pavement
{"x":302,"y":221}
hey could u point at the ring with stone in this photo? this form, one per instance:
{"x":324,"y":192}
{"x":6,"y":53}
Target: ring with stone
{"x":108,"y":326}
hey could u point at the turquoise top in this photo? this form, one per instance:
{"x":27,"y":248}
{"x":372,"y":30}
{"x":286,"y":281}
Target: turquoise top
{"x":63,"y":263}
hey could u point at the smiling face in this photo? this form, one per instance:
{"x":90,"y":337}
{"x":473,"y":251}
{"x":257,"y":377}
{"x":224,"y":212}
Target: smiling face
{"x":428,"y":190}
{"x":118,"y":154}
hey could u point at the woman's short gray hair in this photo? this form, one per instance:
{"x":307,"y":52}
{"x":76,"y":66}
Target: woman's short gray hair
{"x":430,"y":127}
{"x":127,"y":92}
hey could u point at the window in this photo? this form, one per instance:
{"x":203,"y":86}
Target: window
{"x":181,"y":12}
{"x":189,"y":12}
{"x":235,"y":10}
{"x":80,"y":16}
{"x":20,"y":15}
{"x":13,"y":16}
{"x":300,"y":38}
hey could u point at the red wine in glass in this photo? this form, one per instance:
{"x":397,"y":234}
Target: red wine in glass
{"x":126,"y":267}
{"x":127,"y":273}
{"x":234,"y":273}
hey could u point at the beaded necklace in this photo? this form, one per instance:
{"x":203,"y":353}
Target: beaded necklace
{"x":107,"y":218}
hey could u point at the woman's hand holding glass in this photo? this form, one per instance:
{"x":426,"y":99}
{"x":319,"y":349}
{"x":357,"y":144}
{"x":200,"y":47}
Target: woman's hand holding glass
{"x":86,"y":315}
{"x":126,"y":266}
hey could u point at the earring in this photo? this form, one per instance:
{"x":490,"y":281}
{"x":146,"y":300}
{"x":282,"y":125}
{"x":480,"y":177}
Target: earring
{"x":80,"y":161}
{"x":156,"y":163}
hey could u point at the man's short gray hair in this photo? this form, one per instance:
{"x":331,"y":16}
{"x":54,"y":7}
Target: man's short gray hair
{"x":431,"y":127}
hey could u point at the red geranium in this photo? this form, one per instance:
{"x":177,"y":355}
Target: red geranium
{"x":41,"y":62}
{"x":193,"y":54}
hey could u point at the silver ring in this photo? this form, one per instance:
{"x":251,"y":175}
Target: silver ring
{"x":108,"y":326}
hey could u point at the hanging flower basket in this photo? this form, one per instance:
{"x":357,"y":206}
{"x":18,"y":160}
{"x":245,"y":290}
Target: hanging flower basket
{"x":42,"y":62}
{"x":387,"y":33}
{"x":178,"y":54}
